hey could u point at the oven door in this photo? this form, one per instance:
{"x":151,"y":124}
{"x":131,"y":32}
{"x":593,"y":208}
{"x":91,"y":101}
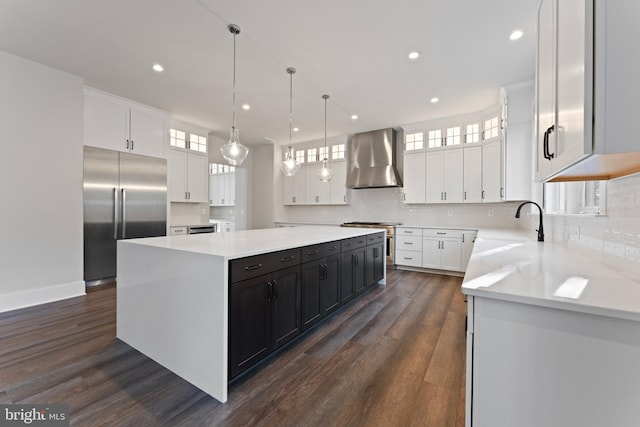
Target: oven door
{"x":390,"y":251}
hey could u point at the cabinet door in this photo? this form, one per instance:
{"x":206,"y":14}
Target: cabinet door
{"x":197,"y":178}
{"x":431,"y":253}
{"x":492,"y":171}
{"x":289,"y":190}
{"x":147,"y":133}
{"x":468,"y":238}
{"x":330,"y":285}
{"x":230,"y":189}
{"x":472,"y":171}
{"x":312,"y":272}
{"x":318,"y":192}
{"x":177,"y":175}
{"x":106,"y":124}
{"x":573,"y":117}
{"x":249,"y":324}
{"x":374,"y":264}
{"x":286,"y":305}
{"x":213,"y":189}
{"x":451,"y":254}
{"x":434,"y":177}
{"x":338,"y":189}
{"x":414,"y":178}
{"x":453,"y":176}
{"x":222,"y":189}
{"x":353,"y":273}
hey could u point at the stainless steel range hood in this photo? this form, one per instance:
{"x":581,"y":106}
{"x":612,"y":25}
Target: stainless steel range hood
{"x":372,"y":160}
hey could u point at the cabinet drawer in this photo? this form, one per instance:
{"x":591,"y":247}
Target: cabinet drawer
{"x":412,"y":259}
{"x":253,"y":266}
{"x":409,"y":243}
{"x":441,"y":232}
{"x":375,"y":238}
{"x":178,"y":231}
{"x":313,"y":252}
{"x":402,"y":231}
{"x":353,"y":243}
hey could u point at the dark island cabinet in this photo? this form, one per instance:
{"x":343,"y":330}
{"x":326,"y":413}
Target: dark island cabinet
{"x":275,"y":296}
{"x":264,"y":311}
{"x":352,"y":273}
{"x":375,"y":259}
{"x":320,"y":282}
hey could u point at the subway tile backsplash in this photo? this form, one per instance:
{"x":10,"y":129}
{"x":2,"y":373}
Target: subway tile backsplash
{"x":614,"y":238}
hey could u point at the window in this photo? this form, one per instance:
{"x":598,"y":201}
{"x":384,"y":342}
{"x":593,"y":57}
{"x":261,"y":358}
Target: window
{"x":197,"y":143}
{"x":312,"y":154}
{"x":323,"y":153}
{"x":472,"y":133}
{"x":435,"y":138}
{"x":177,"y":138}
{"x":579,"y":197}
{"x":453,"y":136}
{"x":337,"y":151}
{"x":414,"y":141}
{"x":491,"y":128}
{"x":213,"y":168}
{"x":300,"y":156}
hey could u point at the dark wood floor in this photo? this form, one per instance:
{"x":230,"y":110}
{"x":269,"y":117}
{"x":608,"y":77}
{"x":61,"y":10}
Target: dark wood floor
{"x":393,"y":358}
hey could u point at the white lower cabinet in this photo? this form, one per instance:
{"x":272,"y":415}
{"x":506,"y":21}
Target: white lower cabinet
{"x":433,"y":248}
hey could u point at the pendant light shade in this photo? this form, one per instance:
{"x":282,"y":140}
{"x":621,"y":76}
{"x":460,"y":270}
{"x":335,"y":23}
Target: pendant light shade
{"x":290,"y":165}
{"x":325,"y":173}
{"x":233,"y":151}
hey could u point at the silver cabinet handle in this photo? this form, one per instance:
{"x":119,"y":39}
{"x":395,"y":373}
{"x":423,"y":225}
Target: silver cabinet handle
{"x":124,"y":213}
{"x":132,"y":145}
{"x":115,"y":213}
{"x":127,"y":144}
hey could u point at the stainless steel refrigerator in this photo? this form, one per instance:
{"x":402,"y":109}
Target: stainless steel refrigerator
{"x":125,"y":196}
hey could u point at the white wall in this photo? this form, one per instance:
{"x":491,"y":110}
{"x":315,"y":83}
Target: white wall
{"x":613,"y":238}
{"x":41,"y":127}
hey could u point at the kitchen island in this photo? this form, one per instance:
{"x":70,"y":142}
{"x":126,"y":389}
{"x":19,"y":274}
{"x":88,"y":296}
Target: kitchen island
{"x":173,"y":292}
{"x":553,"y":336}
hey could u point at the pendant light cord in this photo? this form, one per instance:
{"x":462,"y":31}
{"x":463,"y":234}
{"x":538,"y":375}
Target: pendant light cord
{"x":233,"y":121}
{"x":290,"y":71}
{"x":326,"y":153}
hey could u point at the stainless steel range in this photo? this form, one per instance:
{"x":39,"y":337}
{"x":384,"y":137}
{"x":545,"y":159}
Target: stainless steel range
{"x":388,"y":226}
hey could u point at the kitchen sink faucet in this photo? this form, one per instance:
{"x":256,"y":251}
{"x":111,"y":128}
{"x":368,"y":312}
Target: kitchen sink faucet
{"x":540,"y":229}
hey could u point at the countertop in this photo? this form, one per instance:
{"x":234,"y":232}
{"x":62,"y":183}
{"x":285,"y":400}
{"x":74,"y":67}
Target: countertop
{"x":244,"y":243}
{"x":513,"y":266}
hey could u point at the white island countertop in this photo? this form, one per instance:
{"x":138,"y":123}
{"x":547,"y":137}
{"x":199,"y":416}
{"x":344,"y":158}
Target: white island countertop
{"x":240,"y":244}
{"x":513,"y":266}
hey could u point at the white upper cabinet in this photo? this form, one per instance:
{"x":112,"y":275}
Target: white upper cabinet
{"x":414,"y":177}
{"x":586,"y":90}
{"x":305,"y":187}
{"x":318,"y":192}
{"x":444,"y":176}
{"x":114,"y":123}
{"x":472,"y":178}
{"x":492,"y":171}
{"x":187,"y":177}
{"x":338,"y":190}
{"x":222,"y":185}
{"x":434,"y":177}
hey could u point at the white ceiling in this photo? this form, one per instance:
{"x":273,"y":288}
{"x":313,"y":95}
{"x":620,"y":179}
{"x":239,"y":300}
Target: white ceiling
{"x":354,"y":50}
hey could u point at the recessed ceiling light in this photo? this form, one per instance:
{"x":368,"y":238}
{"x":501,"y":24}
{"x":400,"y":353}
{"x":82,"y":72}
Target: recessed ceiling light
{"x":158,"y":68}
{"x":517,"y":34}
{"x":354,"y":117}
{"x":414,"y":55}
{"x":246,"y":106}
{"x":434,"y":100}
{"x":296,"y":129}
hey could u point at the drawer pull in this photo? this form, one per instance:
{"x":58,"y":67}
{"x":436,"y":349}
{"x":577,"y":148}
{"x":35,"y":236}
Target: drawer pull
{"x":441,"y":232}
{"x":313,"y":253}
{"x":253,"y":267}
{"x":408,"y":258}
{"x":333,"y":248}
{"x":408,"y":243}
{"x":287,"y":259}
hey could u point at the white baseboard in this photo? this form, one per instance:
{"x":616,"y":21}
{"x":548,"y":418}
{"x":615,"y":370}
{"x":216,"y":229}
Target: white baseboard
{"x":38,"y":296}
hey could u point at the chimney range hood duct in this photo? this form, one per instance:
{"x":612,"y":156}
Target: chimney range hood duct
{"x":372,"y":160}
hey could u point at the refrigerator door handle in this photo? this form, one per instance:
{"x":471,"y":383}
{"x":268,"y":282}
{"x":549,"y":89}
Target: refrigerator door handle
{"x":115,"y":213}
{"x":124,"y":214}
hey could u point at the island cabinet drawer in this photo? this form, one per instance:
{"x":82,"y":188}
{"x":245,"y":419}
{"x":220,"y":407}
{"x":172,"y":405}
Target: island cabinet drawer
{"x":409,"y":258}
{"x":441,"y":232}
{"x":254,"y":266}
{"x":375,"y":238}
{"x":323,"y":250}
{"x":353,"y":243}
{"x":408,"y":231}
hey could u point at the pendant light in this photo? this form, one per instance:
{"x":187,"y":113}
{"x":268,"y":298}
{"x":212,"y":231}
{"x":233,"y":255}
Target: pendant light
{"x":290,"y":165}
{"x":233,"y":151}
{"x":325,"y":173}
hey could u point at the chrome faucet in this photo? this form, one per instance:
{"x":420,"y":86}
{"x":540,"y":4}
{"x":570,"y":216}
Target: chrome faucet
{"x":540,"y":229}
